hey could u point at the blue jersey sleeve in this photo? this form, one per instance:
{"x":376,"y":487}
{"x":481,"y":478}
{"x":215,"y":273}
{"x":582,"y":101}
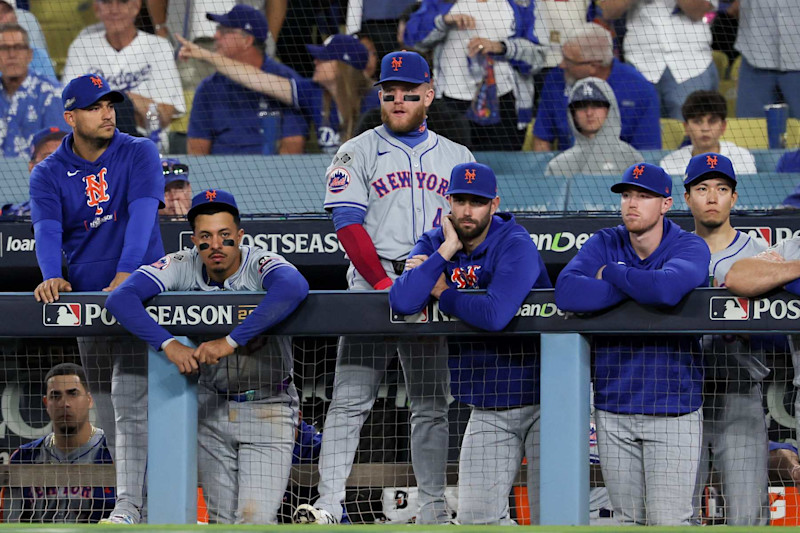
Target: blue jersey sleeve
{"x":293,"y":123}
{"x":48,"y":235}
{"x":577,"y":289}
{"x":126,"y":304}
{"x":200,"y":121}
{"x":148,"y":181}
{"x":306,"y":92}
{"x":515,"y":272}
{"x":286,"y":289}
{"x":423,"y":22}
{"x":347,"y":216}
{"x":412,"y":290}
{"x":45,"y":200}
{"x":793,"y":287}
{"x":685,"y":270}
{"x":142,"y":214}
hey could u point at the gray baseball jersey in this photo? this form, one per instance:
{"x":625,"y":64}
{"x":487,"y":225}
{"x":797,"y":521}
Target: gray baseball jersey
{"x":402,"y":189}
{"x":742,"y":246}
{"x":789,"y":249}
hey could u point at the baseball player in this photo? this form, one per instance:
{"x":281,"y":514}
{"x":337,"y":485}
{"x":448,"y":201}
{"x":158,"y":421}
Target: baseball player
{"x":385,"y":188}
{"x":775,"y":267}
{"x":248,"y":403}
{"x":96,"y":198}
{"x":734,"y":426}
{"x":498,"y":377}
{"x":647,"y":390}
{"x":74,"y":440}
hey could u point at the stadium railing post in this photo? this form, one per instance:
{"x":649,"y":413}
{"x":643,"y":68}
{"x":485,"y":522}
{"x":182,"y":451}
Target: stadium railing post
{"x":564,"y":431}
{"x":172,"y":463}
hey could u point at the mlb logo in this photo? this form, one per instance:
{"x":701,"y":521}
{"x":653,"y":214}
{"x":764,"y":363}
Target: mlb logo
{"x":729,"y":308}
{"x":61,"y":314}
{"x":762,"y":234}
{"x":419,"y":318}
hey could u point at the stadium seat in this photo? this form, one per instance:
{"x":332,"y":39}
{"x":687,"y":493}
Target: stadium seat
{"x":721,"y":61}
{"x":672,"y":133}
{"x":737,"y":63}
{"x":752,"y":133}
{"x":729,"y":89}
{"x":527,"y":144}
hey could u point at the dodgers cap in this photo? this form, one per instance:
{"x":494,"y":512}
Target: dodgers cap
{"x":704,"y":164}
{"x":647,"y":176}
{"x":588,"y":91}
{"x":404,"y":66}
{"x":83,"y":91}
{"x":174,"y":170}
{"x":212,"y":197}
{"x":345,"y":48}
{"x":53,"y":133}
{"x":245,"y":18}
{"x":473,"y":178}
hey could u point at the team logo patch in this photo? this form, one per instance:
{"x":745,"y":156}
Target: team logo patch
{"x":338,"y":180}
{"x":469,"y":175}
{"x":162,"y":263}
{"x":61,"y":314}
{"x":97,"y":190}
{"x":263,"y":262}
{"x":69,"y":103}
{"x":342,"y":159}
{"x":97,"y":81}
{"x":638,"y":171}
{"x":397,"y":63}
{"x":729,"y":308}
{"x":211,"y":195}
{"x":711,"y":161}
{"x":465,"y":277}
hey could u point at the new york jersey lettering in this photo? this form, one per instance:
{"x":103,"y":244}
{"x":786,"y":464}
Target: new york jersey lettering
{"x":402,"y":179}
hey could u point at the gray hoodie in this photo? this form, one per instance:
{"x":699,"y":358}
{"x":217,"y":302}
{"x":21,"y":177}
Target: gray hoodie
{"x":603,"y":154}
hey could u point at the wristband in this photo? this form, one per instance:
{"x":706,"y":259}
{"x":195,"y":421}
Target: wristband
{"x":164,"y":344}
{"x":232,"y":343}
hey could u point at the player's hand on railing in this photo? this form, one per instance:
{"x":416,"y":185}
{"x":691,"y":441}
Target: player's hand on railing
{"x":117,"y":281}
{"x":212,"y":351}
{"x":415,"y":261}
{"x":181,"y":356}
{"x":48,"y":290}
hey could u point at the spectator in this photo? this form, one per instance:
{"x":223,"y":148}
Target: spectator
{"x":783,"y":461}
{"x":334,"y":97}
{"x":670,"y":44}
{"x":61,"y":22}
{"x":41,"y":63}
{"x":594,"y":120}
{"x":187,"y":18}
{"x":136,"y":63}
{"x":248,"y":402}
{"x":770,"y":50}
{"x":74,"y":440}
{"x":377,"y":20}
{"x":229,"y":118}
{"x":30,"y":102}
{"x":704,"y":114}
{"x":372,"y":62}
{"x":589,"y":52}
{"x":177,"y":189}
{"x":482,"y":45}
{"x":559,"y":19}
{"x":647,"y":390}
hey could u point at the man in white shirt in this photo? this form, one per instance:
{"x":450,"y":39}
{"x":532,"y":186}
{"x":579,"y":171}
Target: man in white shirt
{"x":704,"y":114}
{"x":670,"y":44}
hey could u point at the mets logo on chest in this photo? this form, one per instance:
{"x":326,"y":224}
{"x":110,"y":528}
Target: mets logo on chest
{"x":465,"y":277}
{"x":97,"y":190}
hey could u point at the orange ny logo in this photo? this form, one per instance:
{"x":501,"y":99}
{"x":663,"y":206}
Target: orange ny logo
{"x":397,"y":62}
{"x":96,"y":191}
{"x":638,"y":171}
{"x":469,"y":175}
{"x":711,"y":161}
{"x":211,"y":195}
{"x":97,"y":81}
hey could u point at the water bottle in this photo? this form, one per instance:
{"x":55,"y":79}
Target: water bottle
{"x":153,"y":124}
{"x":270,"y":128}
{"x":477,"y":68}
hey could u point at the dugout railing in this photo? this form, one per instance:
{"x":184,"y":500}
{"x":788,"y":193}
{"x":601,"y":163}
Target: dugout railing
{"x":565,"y":367}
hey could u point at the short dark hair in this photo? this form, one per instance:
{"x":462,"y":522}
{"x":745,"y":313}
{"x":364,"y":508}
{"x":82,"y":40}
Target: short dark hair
{"x":67,"y":369}
{"x":711,"y":176}
{"x":701,"y":103}
{"x":213,"y":209}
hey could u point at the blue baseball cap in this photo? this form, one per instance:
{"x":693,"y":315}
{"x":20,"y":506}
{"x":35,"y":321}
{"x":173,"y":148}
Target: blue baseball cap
{"x":85,"y":90}
{"x":53,"y":133}
{"x":710,"y":163}
{"x":245,"y":18}
{"x":346,"y":48}
{"x":174,"y":170}
{"x":473,"y":178}
{"x":215,"y":197}
{"x":647,"y":176}
{"x":404,"y":66}
{"x":588,"y":91}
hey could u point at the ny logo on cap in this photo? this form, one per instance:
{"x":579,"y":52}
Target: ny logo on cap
{"x":469,"y":175}
{"x":97,"y":81}
{"x":711,"y":161}
{"x":638,"y":171}
{"x":397,"y":62}
{"x":211,"y":195}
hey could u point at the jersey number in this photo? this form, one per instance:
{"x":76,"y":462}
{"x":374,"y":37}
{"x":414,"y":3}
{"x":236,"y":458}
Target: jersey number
{"x":437,"y":220}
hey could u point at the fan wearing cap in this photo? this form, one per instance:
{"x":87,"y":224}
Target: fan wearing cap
{"x":595,"y":122}
{"x":648,"y":390}
{"x":96,"y":199}
{"x":465,"y":34}
{"x":333,"y":97}
{"x":29,"y":101}
{"x":137,"y":63}
{"x":228,"y":117}
{"x":243,"y":467}
{"x":734,"y":432}
{"x":177,"y":189}
{"x":478,"y":247}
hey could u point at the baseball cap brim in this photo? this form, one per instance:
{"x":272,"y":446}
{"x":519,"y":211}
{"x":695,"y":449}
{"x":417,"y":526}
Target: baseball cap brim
{"x":400,"y":78}
{"x":473,"y":192}
{"x":115,"y":97}
{"x":321,"y":52}
{"x":621,"y":186}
